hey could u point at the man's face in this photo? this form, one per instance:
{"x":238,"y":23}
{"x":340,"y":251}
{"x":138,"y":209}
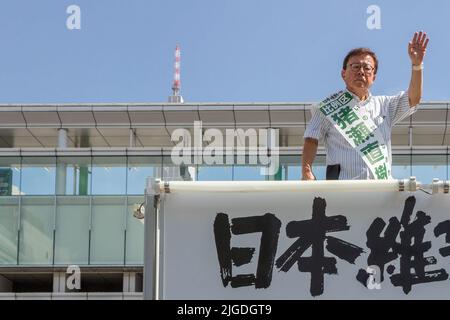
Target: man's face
{"x":360,"y":72}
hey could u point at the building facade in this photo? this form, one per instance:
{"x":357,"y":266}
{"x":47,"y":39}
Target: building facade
{"x":72,"y":175}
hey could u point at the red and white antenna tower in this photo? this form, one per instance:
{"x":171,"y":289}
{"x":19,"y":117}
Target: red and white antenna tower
{"x":176,"y":78}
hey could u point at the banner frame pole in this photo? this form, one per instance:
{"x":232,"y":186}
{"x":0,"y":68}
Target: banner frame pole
{"x":151,"y":240}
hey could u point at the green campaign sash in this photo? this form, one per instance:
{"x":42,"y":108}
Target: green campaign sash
{"x":342,"y":110}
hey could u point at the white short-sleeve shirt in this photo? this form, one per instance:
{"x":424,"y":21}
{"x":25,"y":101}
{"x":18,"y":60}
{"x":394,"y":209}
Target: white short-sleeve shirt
{"x":385,"y":111}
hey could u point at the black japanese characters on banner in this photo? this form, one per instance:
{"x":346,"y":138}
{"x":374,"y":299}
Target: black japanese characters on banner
{"x":312,"y":234}
{"x":411,"y":249}
{"x":269,"y":226}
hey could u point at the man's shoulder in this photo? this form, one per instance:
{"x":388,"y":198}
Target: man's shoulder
{"x":331,"y":97}
{"x":387,"y":98}
{"x":379,"y":99}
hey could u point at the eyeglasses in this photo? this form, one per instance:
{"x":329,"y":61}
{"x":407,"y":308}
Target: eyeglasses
{"x":355,"y":67}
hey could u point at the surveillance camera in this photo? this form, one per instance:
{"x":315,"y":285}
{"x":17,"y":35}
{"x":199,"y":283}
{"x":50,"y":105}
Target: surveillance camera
{"x":139,"y":210}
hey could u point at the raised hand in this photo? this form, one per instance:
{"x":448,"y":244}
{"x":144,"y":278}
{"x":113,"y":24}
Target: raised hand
{"x":417,"y":47}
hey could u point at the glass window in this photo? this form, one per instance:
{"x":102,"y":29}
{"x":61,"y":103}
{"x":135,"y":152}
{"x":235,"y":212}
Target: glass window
{"x":107,"y":232}
{"x":9,"y":176}
{"x":319,"y":167}
{"x":294,"y":167}
{"x":170,"y":171}
{"x":427,"y":167}
{"x":135,"y":234}
{"x":73,"y":176}
{"x":9,"y":221}
{"x":244,"y":170}
{"x":139,"y":169}
{"x":38,"y":175}
{"x":294,"y":172}
{"x":279,"y":175}
{"x":278,"y":168}
{"x":36,"y":230}
{"x":247,"y":173}
{"x":72,"y":230}
{"x":109,"y":175}
{"x":215,"y":173}
{"x":401,"y":166}
{"x":284,"y":172}
{"x":291,"y":167}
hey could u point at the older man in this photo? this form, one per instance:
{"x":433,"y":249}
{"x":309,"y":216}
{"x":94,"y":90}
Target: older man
{"x":355,"y":125}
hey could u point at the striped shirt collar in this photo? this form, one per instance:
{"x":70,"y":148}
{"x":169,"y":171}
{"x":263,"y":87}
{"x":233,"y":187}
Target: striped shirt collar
{"x":357,"y":98}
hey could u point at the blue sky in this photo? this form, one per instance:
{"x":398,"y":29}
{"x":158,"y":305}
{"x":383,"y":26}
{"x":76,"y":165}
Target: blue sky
{"x":232,"y":50}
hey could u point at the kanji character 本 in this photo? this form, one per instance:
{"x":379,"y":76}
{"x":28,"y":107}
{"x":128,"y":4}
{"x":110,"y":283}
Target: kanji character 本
{"x":411,"y":249}
{"x":312,"y":233}
{"x":373,"y":152}
{"x":359,"y":133}
{"x":269,"y":226}
{"x":345,"y":116}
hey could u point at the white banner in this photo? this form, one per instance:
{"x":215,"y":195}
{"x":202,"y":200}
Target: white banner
{"x":305,"y":245}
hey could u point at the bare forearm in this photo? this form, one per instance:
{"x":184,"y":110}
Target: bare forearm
{"x":309,"y":154}
{"x":415,"y":87}
{"x":416,"y":51}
